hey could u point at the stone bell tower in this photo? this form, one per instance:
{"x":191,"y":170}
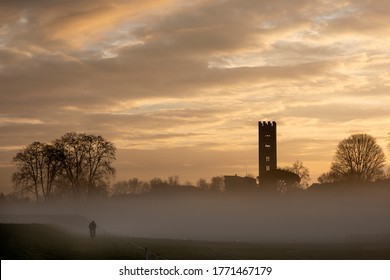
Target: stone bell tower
{"x":267,"y":148}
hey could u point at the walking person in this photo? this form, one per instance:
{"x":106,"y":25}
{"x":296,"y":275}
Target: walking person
{"x":92,"y":229}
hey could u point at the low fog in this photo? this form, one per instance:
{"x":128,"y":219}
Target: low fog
{"x":217,"y":217}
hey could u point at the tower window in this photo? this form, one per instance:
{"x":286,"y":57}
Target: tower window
{"x":267,"y":158}
{"x":267,"y":168}
{"x":267,"y":146}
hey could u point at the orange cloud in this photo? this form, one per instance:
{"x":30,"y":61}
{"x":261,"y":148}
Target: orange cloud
{"x":88,"y":26}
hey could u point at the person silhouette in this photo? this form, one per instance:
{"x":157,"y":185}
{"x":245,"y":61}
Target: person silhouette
{"x":92,"y":229}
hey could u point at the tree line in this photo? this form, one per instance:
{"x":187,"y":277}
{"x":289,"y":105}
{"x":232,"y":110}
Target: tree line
{"x":80,"y":165}
{"x":137,"y":186}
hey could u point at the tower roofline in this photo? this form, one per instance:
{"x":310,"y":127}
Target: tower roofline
{"x":267,"y":123}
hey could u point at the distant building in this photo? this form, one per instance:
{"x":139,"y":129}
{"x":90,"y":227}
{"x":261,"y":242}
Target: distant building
{"x":237,"y":183}
{"x":267,"y":149}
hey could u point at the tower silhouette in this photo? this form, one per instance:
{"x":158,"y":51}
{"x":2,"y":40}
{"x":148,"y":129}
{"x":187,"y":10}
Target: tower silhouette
{"x":267,"y":148}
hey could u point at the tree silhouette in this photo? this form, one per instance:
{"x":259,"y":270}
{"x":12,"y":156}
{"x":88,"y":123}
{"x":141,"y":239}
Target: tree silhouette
{"x":156,"y":184}
{"x":131,"y":186}
{"x":217,"y":184}
{"x":38,"y":166}
{"x":77,"y":162}
{"x":202,"y":184}
{"x":120,"y":188}
{"x":358,"y":158}
{"x":329,"y":177}
{"x":302,"y":171}
{"x":174,"y":180}
{"x":86,"y":161}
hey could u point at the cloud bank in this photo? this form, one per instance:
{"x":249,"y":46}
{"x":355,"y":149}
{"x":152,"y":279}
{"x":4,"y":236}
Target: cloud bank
{"x":166,"y":75}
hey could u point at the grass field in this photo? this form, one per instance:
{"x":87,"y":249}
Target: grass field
{"x":37,"y":241}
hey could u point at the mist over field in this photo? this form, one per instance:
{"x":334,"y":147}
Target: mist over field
{"x":221,"y":217}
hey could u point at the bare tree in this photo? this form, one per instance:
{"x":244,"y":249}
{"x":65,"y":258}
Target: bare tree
{"x":79,"y":162}
{"x":328,"y":177}
{"x":174,"y":180}
{"x":132,"y":186}
{"x":156,"y":181}
{"x":302,"y":171}
{"x":202,"y":184}
{"x":120,"y":187}
{"x":86,"y":161}
{"x":358,"y":158}
{"x":135,"y":185}
{"x":217,"y":184}
{"x":37,"y":168}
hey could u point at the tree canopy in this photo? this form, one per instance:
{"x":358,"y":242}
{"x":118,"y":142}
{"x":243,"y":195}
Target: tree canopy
{"x":37,"y":169}
{"x":358,"y":158}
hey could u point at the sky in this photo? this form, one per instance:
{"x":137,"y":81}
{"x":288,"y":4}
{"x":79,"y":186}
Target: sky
{"x":179,"y":86}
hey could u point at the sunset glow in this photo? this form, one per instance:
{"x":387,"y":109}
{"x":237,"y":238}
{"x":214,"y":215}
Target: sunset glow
{"x":179,"y":86}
